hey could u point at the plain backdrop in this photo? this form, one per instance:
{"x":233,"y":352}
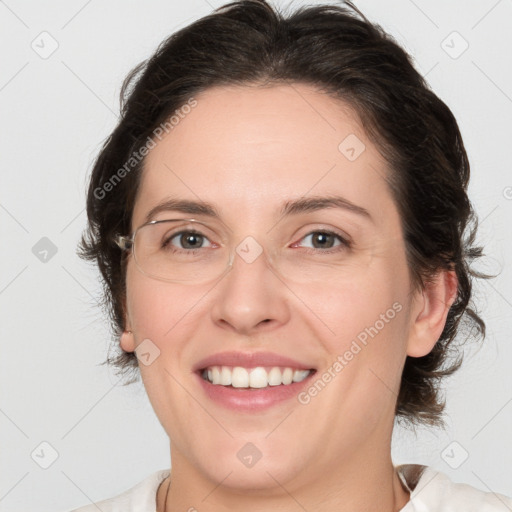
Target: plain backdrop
{"x":62,"y":64}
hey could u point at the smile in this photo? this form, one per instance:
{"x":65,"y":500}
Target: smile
{"x":256,"y":378}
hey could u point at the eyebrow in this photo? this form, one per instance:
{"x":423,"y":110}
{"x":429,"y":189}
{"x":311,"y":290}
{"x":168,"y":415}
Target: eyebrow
{"x":293,"y":207}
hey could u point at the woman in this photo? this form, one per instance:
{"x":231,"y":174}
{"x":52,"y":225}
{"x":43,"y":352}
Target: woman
{"x":282,"y":224}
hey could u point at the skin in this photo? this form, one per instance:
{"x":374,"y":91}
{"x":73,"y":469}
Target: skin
{"x":246,"y":150}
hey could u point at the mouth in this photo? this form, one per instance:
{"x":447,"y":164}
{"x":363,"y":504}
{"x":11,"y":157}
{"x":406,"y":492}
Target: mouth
{"x":251,"y":390}
{"x":259,"y":377}
{"x":251,"y":381}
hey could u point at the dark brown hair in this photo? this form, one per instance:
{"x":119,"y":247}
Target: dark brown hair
{"x":339,"y":52}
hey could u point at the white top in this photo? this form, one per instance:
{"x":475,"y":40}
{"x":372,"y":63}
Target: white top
{"x":431,"y":491}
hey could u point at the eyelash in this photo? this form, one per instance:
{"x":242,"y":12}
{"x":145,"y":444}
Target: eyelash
{"x":343,"y":245}
{"x":168,"y":240}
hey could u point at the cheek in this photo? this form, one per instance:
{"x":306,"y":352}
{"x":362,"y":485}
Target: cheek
{"x":157,"y":308}
{"x":150,"y":311}
{"x":366,"y":354}
{"x":359,"y":306}
{"x":162,"y":317}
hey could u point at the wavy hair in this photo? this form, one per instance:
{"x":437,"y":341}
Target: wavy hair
{"x":340,"y":52}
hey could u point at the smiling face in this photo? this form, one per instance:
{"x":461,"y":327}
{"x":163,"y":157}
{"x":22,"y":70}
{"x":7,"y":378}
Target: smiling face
{"x":248,"y":152}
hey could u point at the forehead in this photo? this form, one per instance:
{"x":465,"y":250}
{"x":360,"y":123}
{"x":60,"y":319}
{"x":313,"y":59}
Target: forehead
{"x":249,"y":149}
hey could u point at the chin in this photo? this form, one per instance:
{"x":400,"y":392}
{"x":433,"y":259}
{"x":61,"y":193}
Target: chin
{"x":256,"y":480}
{"x":252,"y":470}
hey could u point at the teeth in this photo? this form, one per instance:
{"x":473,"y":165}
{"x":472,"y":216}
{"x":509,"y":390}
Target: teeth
{"x":258,"y":377}
{"x":225,"y":376}
{"x":216,"y":375}
{"x":239,"y":377}
{"x":275,"y":377}
{"x":287,"y":376}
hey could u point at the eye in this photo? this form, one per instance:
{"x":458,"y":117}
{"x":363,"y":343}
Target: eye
{"x":186,"y":240}
{"x":324,"y":240}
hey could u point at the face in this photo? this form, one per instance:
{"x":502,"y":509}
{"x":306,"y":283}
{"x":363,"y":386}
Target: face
{"x":248,"y":151}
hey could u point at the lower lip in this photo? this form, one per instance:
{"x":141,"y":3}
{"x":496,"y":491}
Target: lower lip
{"x":252,"y":399}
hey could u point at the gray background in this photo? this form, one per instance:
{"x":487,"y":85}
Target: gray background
{"x":56,"y":112}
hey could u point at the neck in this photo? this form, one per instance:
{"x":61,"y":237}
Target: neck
{"x":360,"y":485}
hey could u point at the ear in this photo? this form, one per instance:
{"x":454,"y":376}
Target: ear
{"x":429,"y":312}
{"x":127,"y":340}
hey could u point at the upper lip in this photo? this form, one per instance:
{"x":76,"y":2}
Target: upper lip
{"x":250,"y":360}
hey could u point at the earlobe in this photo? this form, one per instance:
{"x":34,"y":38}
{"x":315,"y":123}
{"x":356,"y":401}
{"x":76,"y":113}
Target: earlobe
{"x":430,"y":310}
{"x":127,"y":341}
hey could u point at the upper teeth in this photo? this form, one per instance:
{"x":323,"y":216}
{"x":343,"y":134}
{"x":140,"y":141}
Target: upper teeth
{"x":258,"y":377}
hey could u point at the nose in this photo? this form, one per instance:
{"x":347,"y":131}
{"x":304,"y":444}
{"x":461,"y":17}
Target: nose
{"x":250,"y":297}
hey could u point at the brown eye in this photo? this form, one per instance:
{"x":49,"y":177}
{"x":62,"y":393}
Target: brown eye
{"x":324,"y":240}
{"x":185,"y":240}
